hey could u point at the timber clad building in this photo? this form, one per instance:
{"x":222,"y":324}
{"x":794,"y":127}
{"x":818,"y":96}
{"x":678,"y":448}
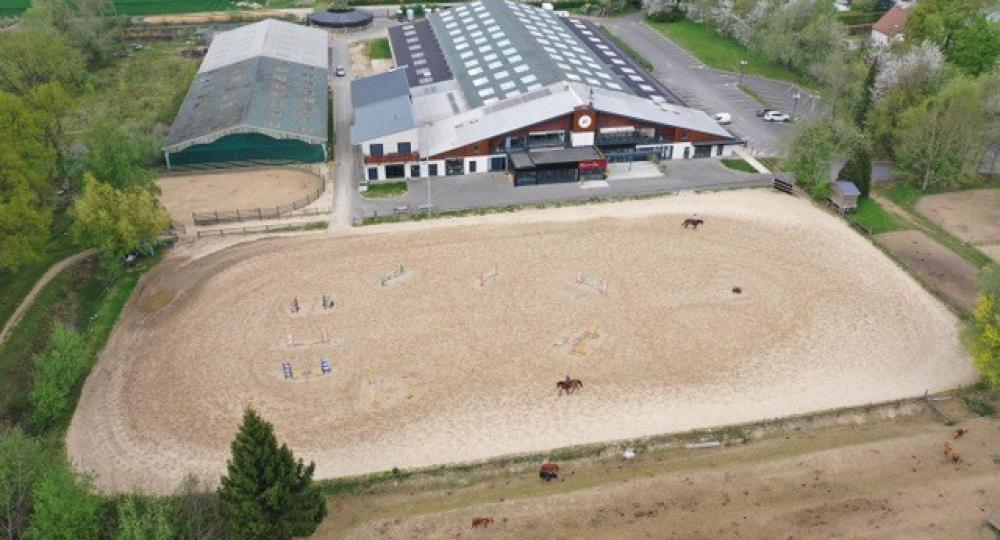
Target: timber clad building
{"x":494,"y":85}
{"x":260,"y":97}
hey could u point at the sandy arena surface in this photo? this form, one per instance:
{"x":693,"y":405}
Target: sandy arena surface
{"x":954,"y":276}
{"x":434,"y":368}
{"x":232,"y":190}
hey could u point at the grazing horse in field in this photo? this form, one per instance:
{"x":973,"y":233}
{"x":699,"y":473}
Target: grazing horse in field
{"x":548,"y":471}
{"x":569,"y":386}
{"x":960,"y":432}
{"x":483,"y":522}
{"x":693,"y":223}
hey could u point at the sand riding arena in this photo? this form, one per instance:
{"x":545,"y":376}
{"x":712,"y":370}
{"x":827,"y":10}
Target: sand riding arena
{"x":444,"y":340}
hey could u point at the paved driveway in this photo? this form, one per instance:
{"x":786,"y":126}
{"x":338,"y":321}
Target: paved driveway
{"x":713,"y":90}
{"x":490,"y":190}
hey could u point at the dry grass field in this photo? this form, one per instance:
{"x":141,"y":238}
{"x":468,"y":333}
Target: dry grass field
{"x":233,"y":190}
{"x":435,"y":368}
{"x":971,"y":215}
{"x":860,"y":476}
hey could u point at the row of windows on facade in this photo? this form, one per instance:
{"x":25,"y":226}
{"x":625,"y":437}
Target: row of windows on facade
{"x":548,"y":139}
{"x":453,"y":166}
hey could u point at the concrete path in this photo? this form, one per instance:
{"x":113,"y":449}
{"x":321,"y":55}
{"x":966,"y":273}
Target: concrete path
{"x":757,"y":166}
{"x":49,"y":274}
{"x":343,"y":165}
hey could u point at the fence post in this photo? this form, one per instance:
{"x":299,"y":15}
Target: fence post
{"x":259,"y":216}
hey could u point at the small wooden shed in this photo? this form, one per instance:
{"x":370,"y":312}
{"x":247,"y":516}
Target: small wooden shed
{"x":844,"y":196}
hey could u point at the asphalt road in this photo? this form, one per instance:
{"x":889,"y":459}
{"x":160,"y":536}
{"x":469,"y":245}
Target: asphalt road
{"x":712,"y":90}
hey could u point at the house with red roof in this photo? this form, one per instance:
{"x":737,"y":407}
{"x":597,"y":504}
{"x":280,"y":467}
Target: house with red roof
{"x":889,"y":29}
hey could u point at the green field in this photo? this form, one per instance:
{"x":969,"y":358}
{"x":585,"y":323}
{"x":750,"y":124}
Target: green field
{"x":10,"y":8}
{"x":875,"y":218}
{"x":721,"y":52}
{"x":379,"y":49}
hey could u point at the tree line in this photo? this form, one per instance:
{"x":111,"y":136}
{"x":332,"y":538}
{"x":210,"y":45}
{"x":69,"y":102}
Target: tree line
{"x":80,"y":127}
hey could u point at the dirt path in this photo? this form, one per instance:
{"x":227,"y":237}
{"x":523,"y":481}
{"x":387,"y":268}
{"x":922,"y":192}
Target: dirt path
{"x":863,"y":479}
{"x":45,"y":279}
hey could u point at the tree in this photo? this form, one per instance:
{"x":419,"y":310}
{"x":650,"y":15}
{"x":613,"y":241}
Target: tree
{"x":26,"y":165}
{"x":117,"y":221}
{"x":976,"y":46}
{"x":812,"y":153}
{"x":937,"y":21}
{"x":266,"y":494}
{"x":149,"y":521}
{"x":30,"y":57}
{"x":87,"y":24}
{"x":56,"y":373}
{"x":940,"y":141}
{"x":991,"y":105}
{"x":22,"y":460}
{"x":985,"y":334}
{"x":115,"y":156}
{"x":800,"y":34}
{"x":63,"y":507}
{"x":858,"y":168}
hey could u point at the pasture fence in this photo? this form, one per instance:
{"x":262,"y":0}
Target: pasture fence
{"x":261,"y":213}
{"x":252,"y":229}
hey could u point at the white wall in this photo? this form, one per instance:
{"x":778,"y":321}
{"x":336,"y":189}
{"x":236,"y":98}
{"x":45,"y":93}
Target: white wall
{"x":679,"y":149}
{"x":389,"y":142}
{"x":583,"y":138}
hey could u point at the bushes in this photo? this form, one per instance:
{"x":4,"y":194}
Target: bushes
{"x":673,"y":14}
{"x":57,"y":372}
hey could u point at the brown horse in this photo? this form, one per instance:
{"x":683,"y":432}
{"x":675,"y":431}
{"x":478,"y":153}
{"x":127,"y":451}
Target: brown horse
{"x":693,"y":222}
{"x":548,"y":471}
{"x":569,"y":386}
{"x":483,"y":522}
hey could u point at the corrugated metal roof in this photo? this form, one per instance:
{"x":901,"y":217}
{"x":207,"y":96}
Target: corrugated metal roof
{"x":499,"y":49}
{"x":260,"y":95}
{"x":383,"y":118}
{"x":369,"y":90}
{"x":270,"y":38}
{"x":558,"y":100}
{"x":848,"y":189}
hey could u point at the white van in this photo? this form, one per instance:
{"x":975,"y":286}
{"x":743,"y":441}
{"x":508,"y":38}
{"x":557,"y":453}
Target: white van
{"x":724,"y":118}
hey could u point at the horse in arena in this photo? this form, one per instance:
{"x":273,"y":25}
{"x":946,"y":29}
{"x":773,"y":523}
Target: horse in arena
{"x":569,"y":386}
{"x":483,"y":522}
{"x":548,"y":471}
{"x":693,"y":223}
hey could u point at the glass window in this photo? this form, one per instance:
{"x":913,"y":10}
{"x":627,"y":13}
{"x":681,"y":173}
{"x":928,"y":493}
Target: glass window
{"x":403,"y":148}
{"x":373,"y":173}
{"x":472,"y":166}
{"x":414,"y":171}
{"x":432,"y":169}
{"x":375,"y":150}
{"x":498,"y":164}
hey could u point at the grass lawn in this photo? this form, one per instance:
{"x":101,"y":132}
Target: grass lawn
{"x":632,"y":53}
{"x":722,"y":52}
{"x":874,"y":218}
{"x":379,"y":49}
{"x":385,"y":189}
{"x":14,"y":287}
{"x":738,"y":165}
{"x":753,"y":95}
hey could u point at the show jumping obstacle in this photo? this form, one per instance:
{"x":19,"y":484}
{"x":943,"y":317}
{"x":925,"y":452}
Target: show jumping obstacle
{"x":389,"y":278}
{"x":486,"y":276}
{"x":600,"y":285}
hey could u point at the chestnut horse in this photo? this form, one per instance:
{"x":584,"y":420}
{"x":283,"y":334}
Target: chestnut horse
{"x":693,"y":222}
{"x":548,"y":471}
{"x":569,"y":386}
{"x":483,"y":522}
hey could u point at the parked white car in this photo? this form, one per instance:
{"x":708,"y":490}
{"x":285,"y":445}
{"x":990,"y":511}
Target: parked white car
{"x":776,"y":116}
{"x":842,"y":5}
{"x":723,"y":118}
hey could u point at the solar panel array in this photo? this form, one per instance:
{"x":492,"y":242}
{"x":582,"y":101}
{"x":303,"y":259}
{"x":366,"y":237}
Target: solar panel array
{"x":576,"y":63}
{"x":415,"y":47}
{"x":499,"y":50}
{"x":641,"y":82}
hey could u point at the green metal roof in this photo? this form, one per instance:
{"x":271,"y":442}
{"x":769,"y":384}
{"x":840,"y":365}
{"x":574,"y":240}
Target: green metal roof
{"x":277,"y":98}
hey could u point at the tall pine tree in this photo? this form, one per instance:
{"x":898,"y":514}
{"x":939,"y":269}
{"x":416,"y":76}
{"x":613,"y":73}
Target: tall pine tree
{"x":267,"y":494}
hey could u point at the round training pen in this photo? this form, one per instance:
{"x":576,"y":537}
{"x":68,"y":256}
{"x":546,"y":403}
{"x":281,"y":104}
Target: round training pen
{"x":342,"y":18}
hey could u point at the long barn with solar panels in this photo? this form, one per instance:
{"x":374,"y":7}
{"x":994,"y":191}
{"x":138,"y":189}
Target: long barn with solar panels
{"x":494,"y":85}
{"x":260,"y":97}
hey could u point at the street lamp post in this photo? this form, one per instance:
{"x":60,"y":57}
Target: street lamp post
{"x":743,"y":65}
{"x":797,"y":95}
{"x":424,"y":149}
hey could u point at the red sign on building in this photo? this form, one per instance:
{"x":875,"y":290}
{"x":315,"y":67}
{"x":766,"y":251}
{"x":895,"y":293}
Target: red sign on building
{"x":594,"y":164}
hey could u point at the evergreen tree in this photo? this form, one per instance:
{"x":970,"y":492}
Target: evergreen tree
{"x":267,"y":494}
{"x":858,"y":169}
